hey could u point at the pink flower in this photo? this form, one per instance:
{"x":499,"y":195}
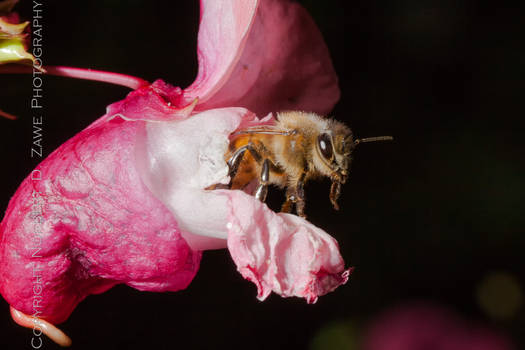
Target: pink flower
{"x":125,"y":200}
{"x":426,"y":326}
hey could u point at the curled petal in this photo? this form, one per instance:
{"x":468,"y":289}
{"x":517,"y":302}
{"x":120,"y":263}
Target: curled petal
{"x":282,"y":253}
{"x":47,"y":328}
{"x":284,"y":63}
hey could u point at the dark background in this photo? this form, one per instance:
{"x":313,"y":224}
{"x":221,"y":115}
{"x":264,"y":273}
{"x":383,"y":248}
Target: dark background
{"x":428,"y":217}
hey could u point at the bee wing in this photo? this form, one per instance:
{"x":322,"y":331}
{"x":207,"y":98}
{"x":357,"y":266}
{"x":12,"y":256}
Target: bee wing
{"x":264,"y":129}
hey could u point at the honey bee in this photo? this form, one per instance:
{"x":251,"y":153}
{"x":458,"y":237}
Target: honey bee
{"x":299,"y":147}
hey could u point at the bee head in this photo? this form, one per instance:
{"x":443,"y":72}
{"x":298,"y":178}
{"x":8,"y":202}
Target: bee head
{"x":334,"y":146}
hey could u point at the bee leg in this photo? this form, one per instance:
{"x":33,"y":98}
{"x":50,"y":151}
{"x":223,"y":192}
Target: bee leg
{"x":295,"y":195}
{"x":290,"y":200}
{"x":262,"y":189}
{"x":299,"y":204}
{"x":236,"y":158}
{"x":335,"y":191}
{"x":234,"y":161}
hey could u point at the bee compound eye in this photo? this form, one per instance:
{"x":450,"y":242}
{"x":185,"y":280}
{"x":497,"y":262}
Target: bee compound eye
{"x":325,"y":145}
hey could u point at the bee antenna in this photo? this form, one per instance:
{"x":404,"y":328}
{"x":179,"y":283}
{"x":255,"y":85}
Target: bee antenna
{"x":373,"y":139}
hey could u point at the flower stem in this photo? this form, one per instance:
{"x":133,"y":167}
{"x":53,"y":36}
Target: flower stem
{"x":7,"y":115}
{"x":89,"y":74}
{"x":82,"y":73}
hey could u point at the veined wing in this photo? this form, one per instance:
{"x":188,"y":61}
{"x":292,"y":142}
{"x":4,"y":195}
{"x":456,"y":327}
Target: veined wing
{"x":264,"y":129}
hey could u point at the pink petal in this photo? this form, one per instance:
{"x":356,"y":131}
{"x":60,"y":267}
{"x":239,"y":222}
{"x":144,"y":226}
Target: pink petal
{"x":158,"y":101}
{"x":282,"y":253}
{"x":223,"y":31}
{"x":178,"y":160}
{"x":283,"y":64}
{"x":101,"y":226}
{"x":244,"y":61}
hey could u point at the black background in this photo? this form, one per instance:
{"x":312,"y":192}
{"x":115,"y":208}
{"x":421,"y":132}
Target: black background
{"x":425,"y":217}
